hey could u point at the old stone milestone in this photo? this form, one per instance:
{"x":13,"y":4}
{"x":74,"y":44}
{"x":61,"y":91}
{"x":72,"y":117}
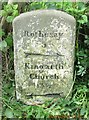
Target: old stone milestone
{"x":44,"y":43}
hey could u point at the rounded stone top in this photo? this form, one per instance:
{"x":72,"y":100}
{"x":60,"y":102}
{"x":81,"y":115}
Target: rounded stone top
{"x":44,"y":12}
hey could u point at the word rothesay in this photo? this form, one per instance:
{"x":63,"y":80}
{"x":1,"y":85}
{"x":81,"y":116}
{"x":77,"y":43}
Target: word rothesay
{"x":39,"y":33}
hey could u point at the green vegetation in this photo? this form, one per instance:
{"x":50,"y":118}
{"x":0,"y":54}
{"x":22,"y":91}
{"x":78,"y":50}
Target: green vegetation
{"x":78,"y":106}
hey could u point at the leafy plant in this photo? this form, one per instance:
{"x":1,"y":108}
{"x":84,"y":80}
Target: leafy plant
{"x":10,"y":11}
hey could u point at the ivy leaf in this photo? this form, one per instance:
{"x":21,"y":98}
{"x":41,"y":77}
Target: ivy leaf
{"x":10,"y":18}
{"x":8,"y":113}
{"x":9,"y":41}
{"x":15,"y":7}
{"x":15,"y":13}
{"x":3,"y":44}
{"x":2,"y":33}
{"x":81,"y":5}
{"x":3,"y":13}
{"x":85,"y":18}
{"x":8,"y":8}
{"x":83,"y":110}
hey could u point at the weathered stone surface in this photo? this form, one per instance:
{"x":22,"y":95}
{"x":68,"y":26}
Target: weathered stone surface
{"x":44,"y":43}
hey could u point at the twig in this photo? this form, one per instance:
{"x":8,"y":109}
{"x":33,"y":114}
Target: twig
{"x":7,"y":105}
{"x":71,"y":87}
